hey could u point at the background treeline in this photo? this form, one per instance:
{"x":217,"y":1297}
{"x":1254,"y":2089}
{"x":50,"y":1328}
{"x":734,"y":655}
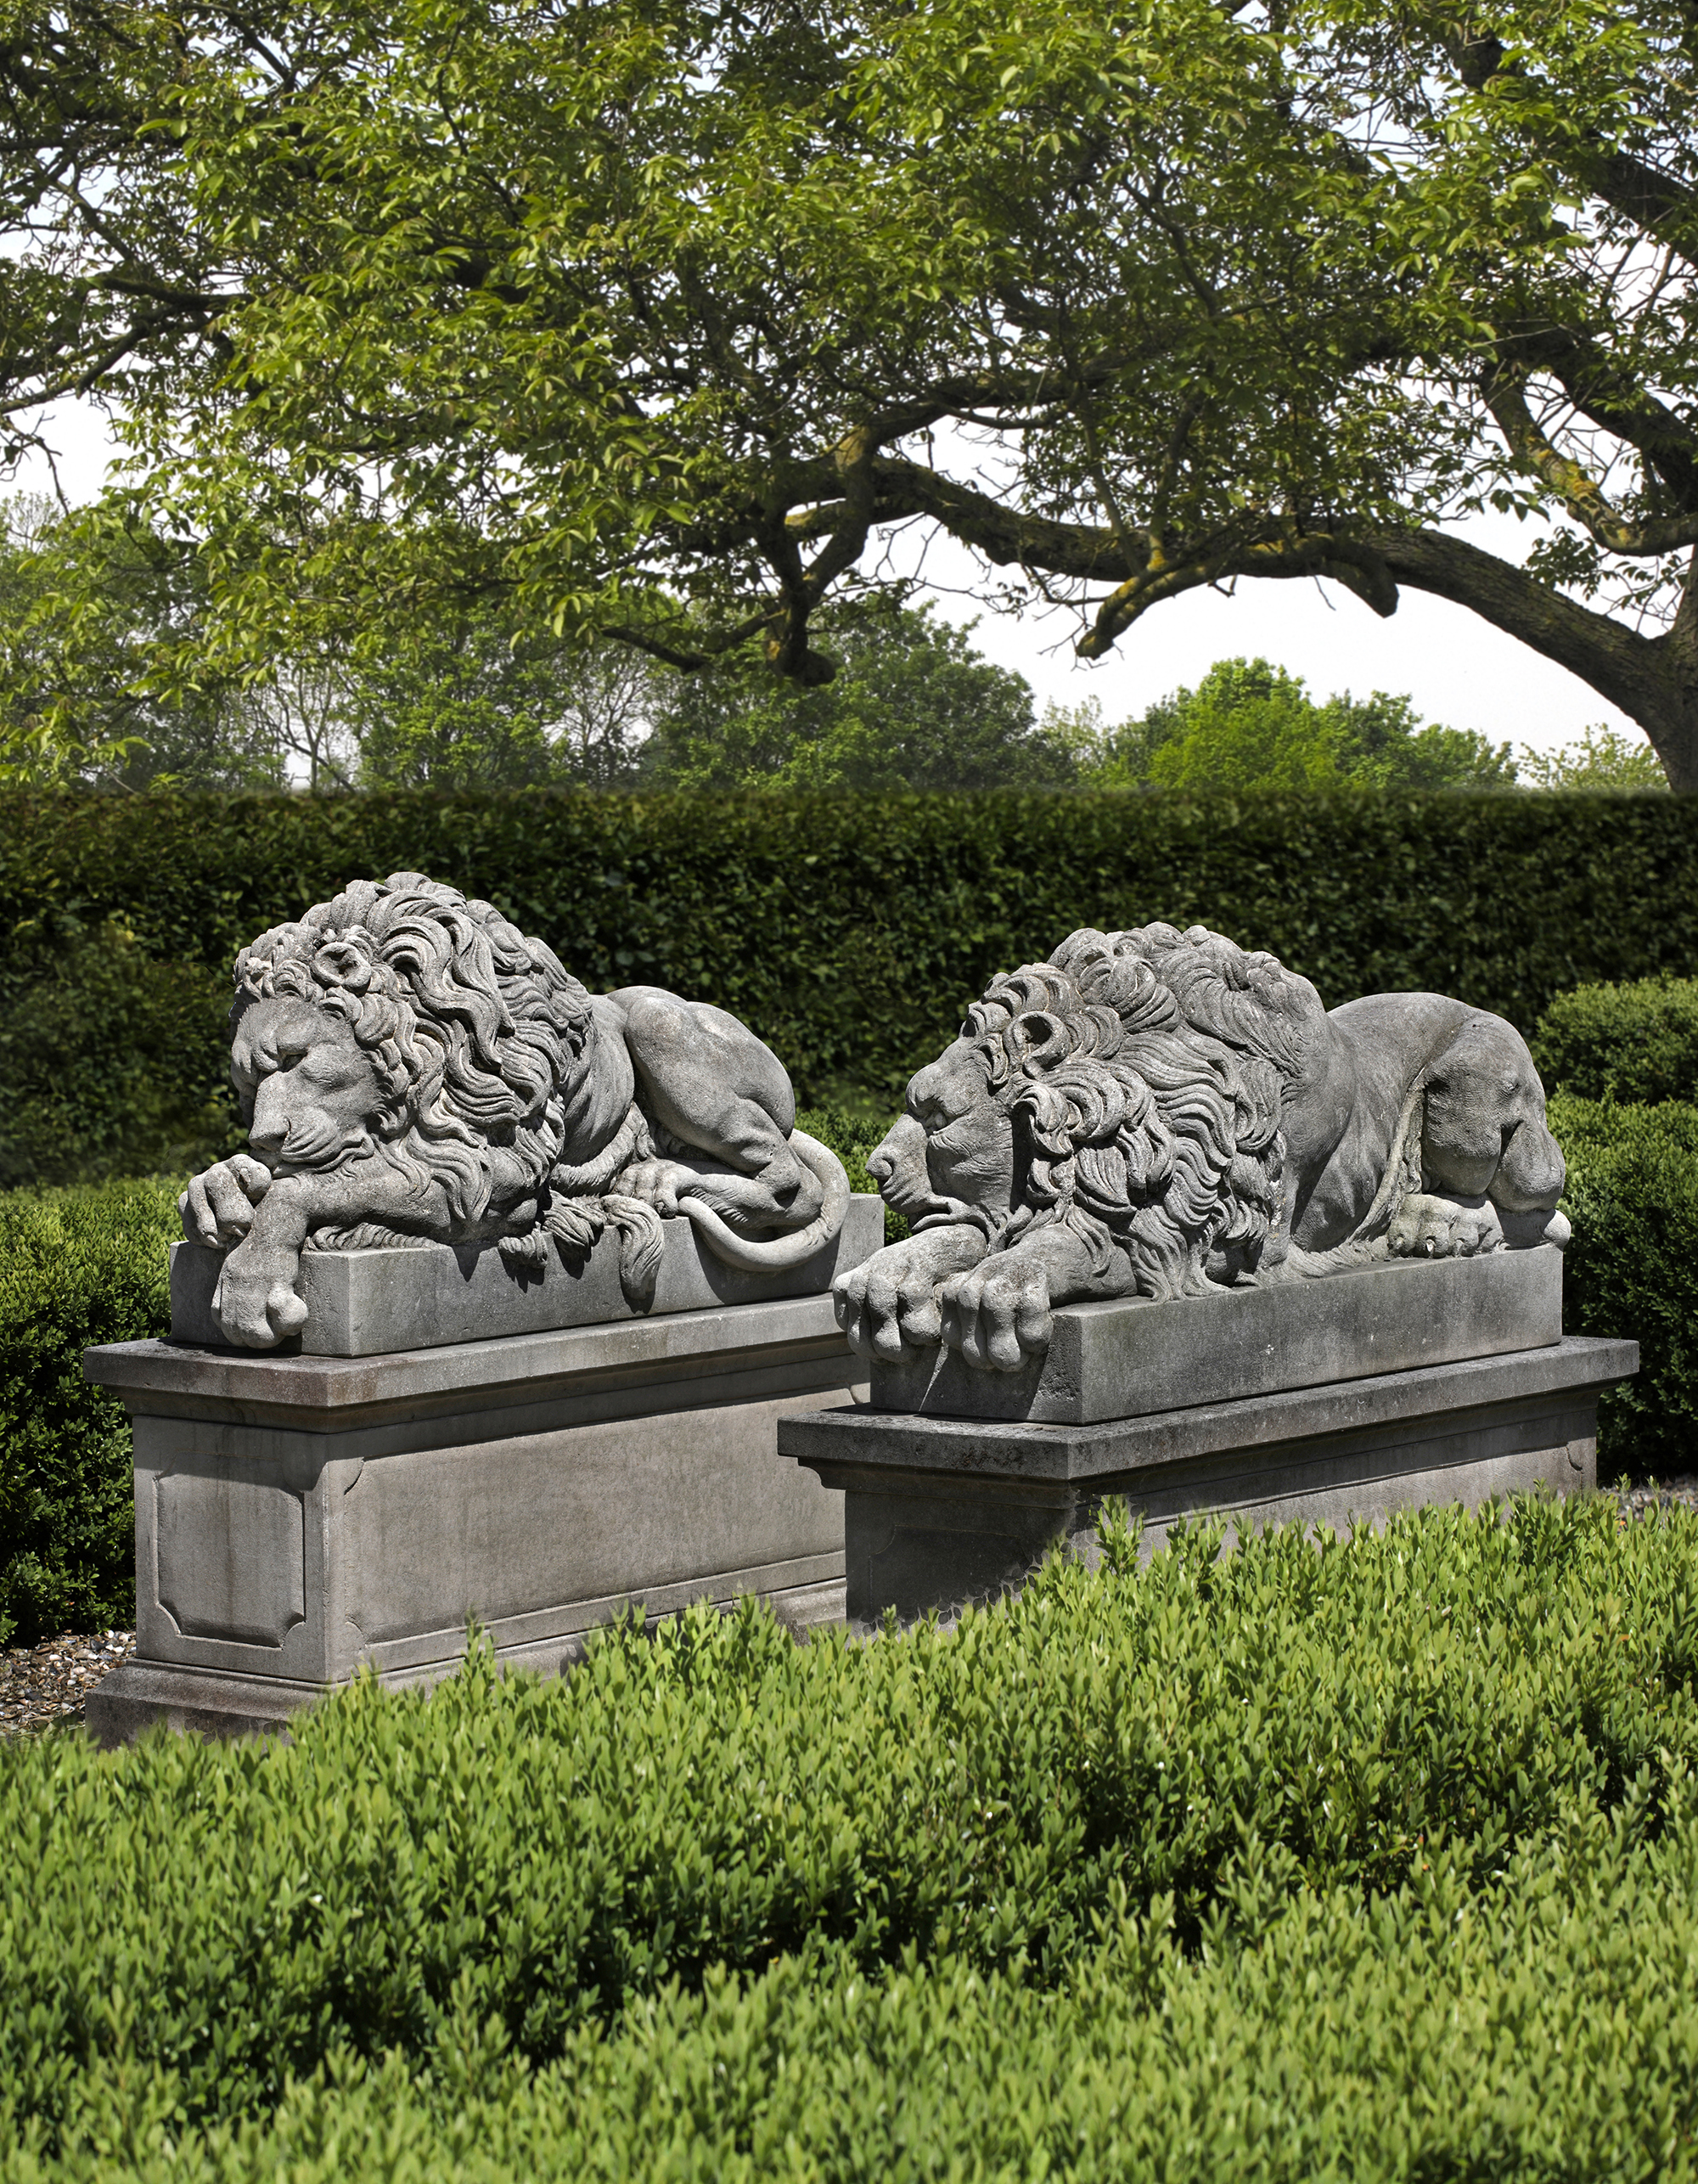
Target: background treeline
{"x":109,"y":676}
{"x":849,"y":933}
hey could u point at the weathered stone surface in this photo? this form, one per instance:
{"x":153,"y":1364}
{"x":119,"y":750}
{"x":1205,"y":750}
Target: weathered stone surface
{"x":940,"y":1512}
{"x":364,"y":1304}
{"x":1151,"y":1112}
{"x":296,"y":1518}
{"x":1134,"y":1355}
{"x":411,"y":1066}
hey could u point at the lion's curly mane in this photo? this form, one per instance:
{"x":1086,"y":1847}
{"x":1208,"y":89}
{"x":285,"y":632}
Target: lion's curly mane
{"x":1144,"y":1071}
{"x":475,"y":1031}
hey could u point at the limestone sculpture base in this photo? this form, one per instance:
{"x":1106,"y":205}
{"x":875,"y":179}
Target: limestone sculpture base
{"x":298,"y":1518}
{"x":943,"y":1512}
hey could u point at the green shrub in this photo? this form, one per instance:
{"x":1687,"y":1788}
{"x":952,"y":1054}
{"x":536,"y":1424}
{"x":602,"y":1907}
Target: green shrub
{"x":851,"y":933}
{"x":1637,"y":1042}
{"x":112,"y":1062}
{"x":1542,"y":2030}
{"x":851,"y":1138}
{"x":1454,"y":1760}
{"x":77,"y":1267}
{"x":1632,"y":1269}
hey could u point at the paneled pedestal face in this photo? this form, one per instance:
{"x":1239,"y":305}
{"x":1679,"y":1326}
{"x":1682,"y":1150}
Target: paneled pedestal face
{"x":943,"y":1512}
{"x":298,"y":1518}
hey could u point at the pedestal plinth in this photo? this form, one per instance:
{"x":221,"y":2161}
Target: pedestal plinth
{"x":299,"y":1517}
{"x":940,"y":1512}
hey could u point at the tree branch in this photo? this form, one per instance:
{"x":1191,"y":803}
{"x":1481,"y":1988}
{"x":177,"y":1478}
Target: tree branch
{"x":1579,"y":492}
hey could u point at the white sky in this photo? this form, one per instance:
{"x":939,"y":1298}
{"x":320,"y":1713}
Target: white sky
{"x":1456,"y":668}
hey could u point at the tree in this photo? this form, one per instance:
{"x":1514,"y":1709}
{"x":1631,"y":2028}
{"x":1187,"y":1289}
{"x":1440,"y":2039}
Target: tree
{"x":84,"y":606}
{"x":912,"y":705}
{"x":88,"y":605}
{"x":1601,"y":759}
{"x":653,"y":322}
{"x":1248,"y":725}
{"x":482,"y":706}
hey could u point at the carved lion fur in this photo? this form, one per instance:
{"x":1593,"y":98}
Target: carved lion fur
{"x":1154,"y":1112}
{"x":414,"y":1069}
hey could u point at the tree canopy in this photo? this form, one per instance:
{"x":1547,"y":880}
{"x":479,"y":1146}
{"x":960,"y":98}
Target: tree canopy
{"x":657,"y":318}
{"x":912,"y":705}
{"x":1250,"y":725}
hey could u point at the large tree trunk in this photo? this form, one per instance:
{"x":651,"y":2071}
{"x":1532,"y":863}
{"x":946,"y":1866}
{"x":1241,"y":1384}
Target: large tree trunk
{"x":1653,"y":679}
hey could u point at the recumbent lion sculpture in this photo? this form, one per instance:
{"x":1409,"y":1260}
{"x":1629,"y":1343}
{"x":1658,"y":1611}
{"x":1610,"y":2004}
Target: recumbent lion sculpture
{"x":1156,"y":1113}
{"x":414,"y":1070}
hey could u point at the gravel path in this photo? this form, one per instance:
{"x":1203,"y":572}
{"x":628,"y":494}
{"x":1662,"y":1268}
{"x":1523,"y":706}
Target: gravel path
{"x":40,"y":1684}
{"x":45,"y":1684}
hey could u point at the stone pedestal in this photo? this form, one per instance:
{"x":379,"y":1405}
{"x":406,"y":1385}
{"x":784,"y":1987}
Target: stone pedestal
{"x":943,"y":1512}
{"x":299,"y":1517}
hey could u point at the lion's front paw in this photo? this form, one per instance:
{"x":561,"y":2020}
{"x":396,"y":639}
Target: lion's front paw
{"x":997,"y":1313}
{"x":887,"y":1303}
{"x":1429,"y":1227}
{"x":218,"y":1205}
{"x":255,"y":1301}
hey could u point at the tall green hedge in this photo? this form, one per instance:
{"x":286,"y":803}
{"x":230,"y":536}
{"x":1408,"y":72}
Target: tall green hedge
{"x":850,"y":934}
{"x":1635,"y":1042}
{"x":75,"y":1268}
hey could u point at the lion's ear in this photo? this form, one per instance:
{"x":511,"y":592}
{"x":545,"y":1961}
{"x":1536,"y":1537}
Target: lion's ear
{"x":1041,"y":1038}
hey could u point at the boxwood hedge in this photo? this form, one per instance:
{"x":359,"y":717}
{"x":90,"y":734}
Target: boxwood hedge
{"x":1375,"y":1858}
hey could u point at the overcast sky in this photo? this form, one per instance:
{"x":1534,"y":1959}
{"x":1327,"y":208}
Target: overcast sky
{"x":1455,"y":667}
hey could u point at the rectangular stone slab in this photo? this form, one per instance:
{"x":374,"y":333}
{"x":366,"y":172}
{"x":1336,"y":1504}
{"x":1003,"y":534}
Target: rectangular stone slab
{"x":1133,"y":1357}
{"x":299,"y":1517}
{"x":943,"y":1512}
{"x":365,"y":1303}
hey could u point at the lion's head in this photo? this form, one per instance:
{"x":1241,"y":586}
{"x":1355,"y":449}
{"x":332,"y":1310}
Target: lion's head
{"x":404,"y":1021}
{"x":1130,"y":1088}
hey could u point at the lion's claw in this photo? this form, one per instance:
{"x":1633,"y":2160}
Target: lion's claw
{"x":657,"y":1183}
{"x":257,"y":1313}
{"x":888,"y":1305}
{"x":217,"y":1209}
{"x":997,"y":1313}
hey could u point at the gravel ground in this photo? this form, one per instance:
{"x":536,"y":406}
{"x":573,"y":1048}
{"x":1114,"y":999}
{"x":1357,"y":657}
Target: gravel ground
{"x":1665,"y":1493}
{"x":47,"y":1684}
{"x":41,"y":1685}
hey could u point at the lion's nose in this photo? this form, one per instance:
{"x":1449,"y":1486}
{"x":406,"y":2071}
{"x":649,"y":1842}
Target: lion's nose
{"x":269,"y":1128}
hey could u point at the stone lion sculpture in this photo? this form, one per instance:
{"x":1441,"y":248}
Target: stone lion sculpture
{"x":413,"y":1069}
{"x":1154,"y":1113}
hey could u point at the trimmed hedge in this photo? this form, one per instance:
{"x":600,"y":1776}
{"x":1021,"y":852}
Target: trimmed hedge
{"x":1638,"y":1042}
{"x":75,"y":1268}
{"x":1380,"y":1858}
{"x":1632,"y":1269}
{"x":850,"y":934}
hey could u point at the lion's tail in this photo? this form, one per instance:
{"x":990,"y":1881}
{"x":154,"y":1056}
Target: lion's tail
{"x":777,"y":1254}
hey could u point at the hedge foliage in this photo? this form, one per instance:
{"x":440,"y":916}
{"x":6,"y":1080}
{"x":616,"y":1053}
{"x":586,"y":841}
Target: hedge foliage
{"x":1375,"y":1859}
{"x":75,"y":1268}
{"x":1637,"y":1042}
{"x":850,"y":934}
{"x":1632,"y":1269}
